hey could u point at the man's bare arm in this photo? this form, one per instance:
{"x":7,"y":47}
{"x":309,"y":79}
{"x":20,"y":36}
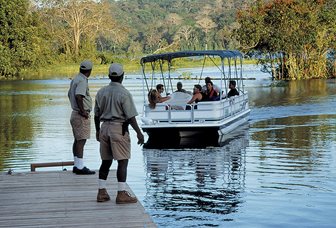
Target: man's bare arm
{"x":135,"y":126}
{"x":80,"y":104}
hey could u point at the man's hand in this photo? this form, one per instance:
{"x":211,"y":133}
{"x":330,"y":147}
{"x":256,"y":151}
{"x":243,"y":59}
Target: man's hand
{"x":140,"y":136}
{"x":84,"y":113}
{"x":141,"y":139}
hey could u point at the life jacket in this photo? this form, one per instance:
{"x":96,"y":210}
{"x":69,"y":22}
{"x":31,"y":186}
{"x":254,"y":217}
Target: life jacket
{"x":213,"y":93}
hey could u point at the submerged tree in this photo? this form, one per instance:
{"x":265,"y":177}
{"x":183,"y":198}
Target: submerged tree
{"x":293,"y":36}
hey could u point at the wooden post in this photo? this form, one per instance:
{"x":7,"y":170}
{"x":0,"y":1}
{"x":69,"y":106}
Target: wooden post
{"x":33,"y":166}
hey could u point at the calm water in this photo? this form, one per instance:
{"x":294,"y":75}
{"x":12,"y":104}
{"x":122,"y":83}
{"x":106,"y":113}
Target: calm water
{"x":277,"y":171}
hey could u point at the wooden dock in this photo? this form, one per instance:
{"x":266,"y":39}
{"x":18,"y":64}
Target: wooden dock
{"x":63,"y":199}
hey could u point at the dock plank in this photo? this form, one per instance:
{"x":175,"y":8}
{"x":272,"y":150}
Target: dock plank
{"x":63,"y":199}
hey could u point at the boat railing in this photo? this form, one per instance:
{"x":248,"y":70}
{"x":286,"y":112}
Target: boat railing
{"x":202,"y":112}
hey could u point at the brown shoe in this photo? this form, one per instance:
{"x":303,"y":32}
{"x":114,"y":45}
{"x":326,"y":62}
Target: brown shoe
{"x":102,"y":196}
{"x":124,"y":197}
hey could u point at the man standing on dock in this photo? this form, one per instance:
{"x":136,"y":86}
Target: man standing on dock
{"x":81,"y":104}
{"x":114,"y":106}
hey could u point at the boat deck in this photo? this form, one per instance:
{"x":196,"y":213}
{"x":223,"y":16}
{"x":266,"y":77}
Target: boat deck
{"x":202,"y":114}
{"x":62,"y":199}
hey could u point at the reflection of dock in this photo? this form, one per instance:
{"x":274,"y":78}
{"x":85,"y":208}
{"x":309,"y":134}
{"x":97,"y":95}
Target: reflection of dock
{"x":182,"y":183}
{"x":62,"y":199}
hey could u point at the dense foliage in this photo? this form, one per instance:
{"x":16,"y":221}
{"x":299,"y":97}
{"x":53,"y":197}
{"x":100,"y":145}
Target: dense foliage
{"x":296,"y":36}
{"x":103,"y":30}
{"x":38,"y":32}
{"x":21,"y":38}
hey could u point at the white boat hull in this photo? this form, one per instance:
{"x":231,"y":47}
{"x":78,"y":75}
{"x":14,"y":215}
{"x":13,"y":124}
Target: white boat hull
{"x":208,"y":122}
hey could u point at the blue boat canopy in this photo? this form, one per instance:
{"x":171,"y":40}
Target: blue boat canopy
{"x":181,"y":54}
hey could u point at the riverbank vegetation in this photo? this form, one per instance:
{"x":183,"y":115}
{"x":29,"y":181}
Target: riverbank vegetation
{"x":293,"y":39}
{"x":42,"y":38}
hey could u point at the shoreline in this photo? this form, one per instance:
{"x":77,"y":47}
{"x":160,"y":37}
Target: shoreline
{"x":99,"y":70}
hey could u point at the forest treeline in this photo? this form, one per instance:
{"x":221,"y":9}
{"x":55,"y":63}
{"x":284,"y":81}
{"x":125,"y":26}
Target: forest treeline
{"x":293,"y":39}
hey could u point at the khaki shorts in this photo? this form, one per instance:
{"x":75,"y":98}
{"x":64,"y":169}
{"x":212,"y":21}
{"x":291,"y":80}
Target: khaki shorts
{"x":81,"y":127}
{"x":114,"y":145}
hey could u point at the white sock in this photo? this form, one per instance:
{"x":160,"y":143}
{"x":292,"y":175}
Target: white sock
{"x":121,"y":186}
{"x":101,"y":183}
{"x":80,"y":163}
{"x":76,"y":161}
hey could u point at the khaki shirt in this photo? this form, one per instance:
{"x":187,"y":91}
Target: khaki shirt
{"x":114,"y":103}
{"x":79,"y":86}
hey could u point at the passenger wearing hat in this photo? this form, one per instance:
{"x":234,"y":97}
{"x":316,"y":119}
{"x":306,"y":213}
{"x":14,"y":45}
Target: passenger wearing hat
{"x":81,"y":104}
{"x":114,"y":107}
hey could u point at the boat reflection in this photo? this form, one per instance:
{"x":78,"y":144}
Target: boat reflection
{"x":191,"y":140}
{"x":196,"y":180}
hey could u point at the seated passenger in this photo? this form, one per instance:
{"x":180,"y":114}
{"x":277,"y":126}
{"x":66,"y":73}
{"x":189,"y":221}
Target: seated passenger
{"x":179,"y":88}
{"x":160,"y":89}
{"x":204,"y":88}
{"x":211,"y":94}
{"x":196,"y":97}
{"x":153,"y":98}
{"x":233,"y":91}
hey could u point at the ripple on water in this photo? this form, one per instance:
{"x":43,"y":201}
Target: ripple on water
{"x":280,"y":172}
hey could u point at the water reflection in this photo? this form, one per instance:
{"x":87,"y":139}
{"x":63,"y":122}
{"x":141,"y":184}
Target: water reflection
{"x":175,"y":141}
{"x":295,"y":132}
{"x":22,"y":104}
{"x":196,"y":183}
{"x":16,"y":129}
{"x":295,"y":147}
{"x":293,"y":93}
{"x":282,"y":170}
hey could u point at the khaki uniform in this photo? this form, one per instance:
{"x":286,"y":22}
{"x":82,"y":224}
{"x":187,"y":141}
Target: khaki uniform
{"x":80,"y":86}
{"x":114,"y":105}
{"x":81,"y":126}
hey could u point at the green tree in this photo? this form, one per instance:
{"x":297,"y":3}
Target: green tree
{"x":76,"y":24}
{"x":296,"y":36}
{"x":184,"y":35}
{"x":206,"y":23}
{"x":64,"y":31}
{"x":22,"y":45}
